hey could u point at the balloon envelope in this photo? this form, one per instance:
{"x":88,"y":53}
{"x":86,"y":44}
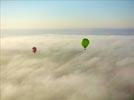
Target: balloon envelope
{"x":85,"y":42}
{"x":34,"y":49}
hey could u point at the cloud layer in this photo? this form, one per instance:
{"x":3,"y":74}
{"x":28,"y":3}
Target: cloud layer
{"x":62,"y":70}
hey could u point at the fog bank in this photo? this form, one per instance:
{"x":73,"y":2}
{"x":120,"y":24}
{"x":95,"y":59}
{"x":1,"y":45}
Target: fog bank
{"x":62,"y":70}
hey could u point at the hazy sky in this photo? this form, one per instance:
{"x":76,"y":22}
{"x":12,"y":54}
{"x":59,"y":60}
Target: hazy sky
{"x":67,"y":14}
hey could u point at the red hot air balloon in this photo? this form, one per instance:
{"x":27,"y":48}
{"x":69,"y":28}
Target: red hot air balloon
{"x":34,"y":49}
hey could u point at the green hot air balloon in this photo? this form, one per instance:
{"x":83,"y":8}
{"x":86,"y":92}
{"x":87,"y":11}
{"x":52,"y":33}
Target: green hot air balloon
{"x":85,"y":42}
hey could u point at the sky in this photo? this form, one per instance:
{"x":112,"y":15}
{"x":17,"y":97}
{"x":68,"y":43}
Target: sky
{"x":63,"y":14}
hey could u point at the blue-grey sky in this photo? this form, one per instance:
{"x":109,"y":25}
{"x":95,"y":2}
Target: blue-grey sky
{"x":16,"y":14}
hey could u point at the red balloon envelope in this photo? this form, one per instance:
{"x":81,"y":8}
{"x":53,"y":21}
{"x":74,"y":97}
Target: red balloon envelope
{"x":34,"y":49}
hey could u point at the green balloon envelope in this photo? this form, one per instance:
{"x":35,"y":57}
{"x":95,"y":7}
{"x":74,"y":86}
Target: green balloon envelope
{"x":85,"y":42}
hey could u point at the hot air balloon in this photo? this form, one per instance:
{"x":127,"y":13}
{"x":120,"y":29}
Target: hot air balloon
{"x":34,"y":49}
{"x":85,"y":42}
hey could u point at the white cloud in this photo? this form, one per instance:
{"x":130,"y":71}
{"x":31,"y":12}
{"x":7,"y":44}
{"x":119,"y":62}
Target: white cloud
{"x":62,"y":70}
